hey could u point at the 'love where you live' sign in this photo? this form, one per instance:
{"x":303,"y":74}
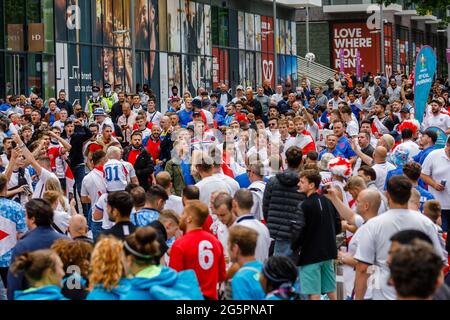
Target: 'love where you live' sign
{"x":424,"y":74}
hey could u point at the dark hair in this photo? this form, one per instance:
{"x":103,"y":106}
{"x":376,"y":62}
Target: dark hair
{"x":412,"y":170}
{"x":191,"y":193}
{"x":381,"y":103}
{"x":246,"y":239}
{"x":34,"y":264}
{"x":312,"y":155}
{"x":366,"y":122}
{"x":408,"y":236}
{"x":415,"y":270}
{"x":143,"y":245}
{"x":313,"y":176}
{"x":368,"y":171}
{"x":3,"y":182}
{"x":97,"y":156}
{"x":155,"y":193}
{"x":346,"y":109}
{"x":431,"y":134}
{"x":223,"y":198}
{"x":136,"y":133}
{"x":407,"y":133}
{"x":41,"y":211}
{"x":279,"y":271}
{"x":399,"y":189}
{"x":244,"y":199}
{"x":122,"y":201}
{"x":294,"y":157}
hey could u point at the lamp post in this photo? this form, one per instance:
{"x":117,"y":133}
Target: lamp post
{"x":275,"y":40}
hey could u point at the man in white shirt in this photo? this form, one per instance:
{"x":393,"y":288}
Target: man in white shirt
{"x":434,"y":118}
{"x":93,"y":185}
{"x":278,"y":96}
{"x":381,"y":166}
{"x":257,"y":187}
{"x":209,"y":183}
{"x":408,"y":143}
{"x":347,"y":116}
{"x":233,"y":185}
{"x":42,"y":167}
{"x":153,"y":115}
{"x":174,"y":202}
{"x":375,"y":235}
{"x":436,"y":173}
{"x":242,"y":206}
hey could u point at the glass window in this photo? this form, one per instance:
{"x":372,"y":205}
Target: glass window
{"x":33,"y":11}
{"x":162,"y":25}
{"x":98,"y":25}
{"x":250,"y":31}
{"x":48,"y":76}
{"x":97,"y":65}
{"x":215,"y":25}
{"x":208,"y":41}
{"x":174,"y":72}
{"x":241,"y":30}
{"x":85,"y":16}
{"x":108,"y":65}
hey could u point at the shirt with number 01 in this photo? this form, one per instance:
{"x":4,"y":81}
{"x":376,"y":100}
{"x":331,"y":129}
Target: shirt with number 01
{"x":200,"y":251}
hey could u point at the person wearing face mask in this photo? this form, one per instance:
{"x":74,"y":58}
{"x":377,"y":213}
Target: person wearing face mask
{"x":109,"y":96}
{"x":95,"y":99}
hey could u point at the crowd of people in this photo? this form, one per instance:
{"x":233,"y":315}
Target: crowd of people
{"x":309,"y":192}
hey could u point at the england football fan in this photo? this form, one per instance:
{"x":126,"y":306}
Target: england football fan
{"x":119,"y":205}
{"x":155,"y":199}
{"x":436,"y":174}
{"x":141,"y":160}
{"x":435,"y":118}
{"x":174,"y":202}
{"x":199,"y":250}
{"x":245,"y":284}
{"x":375,"y":238}
{"x":44,"y":271}
{"x":151,"y":281}
{"x":242,"y":204}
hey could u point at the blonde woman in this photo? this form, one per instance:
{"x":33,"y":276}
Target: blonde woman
{"x":53,"y":184}
{"x":107,"y":279}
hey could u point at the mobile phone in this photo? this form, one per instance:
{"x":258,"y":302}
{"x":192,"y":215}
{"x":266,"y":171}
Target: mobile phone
{"x":324,"y":189}
{"x":13,"y":144}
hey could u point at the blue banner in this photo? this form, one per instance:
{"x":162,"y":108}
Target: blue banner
{"x":424,"y":74}
{"x":441,"y":137}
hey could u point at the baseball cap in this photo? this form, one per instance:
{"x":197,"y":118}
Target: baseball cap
{"x":196,"y":103}
{"x":405,"y":110}
{"x":107,"y":85}
{"x":99,"y":112}
{"x":95,"y":89}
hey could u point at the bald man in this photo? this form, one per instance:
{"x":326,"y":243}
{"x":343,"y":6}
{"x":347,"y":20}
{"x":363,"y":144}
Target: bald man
{"x":368,"y":203}
{"x":381,"y":166}
{"x":78,"y":228}
{"x":174,"y":202}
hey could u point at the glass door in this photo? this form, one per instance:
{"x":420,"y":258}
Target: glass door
{"x":15,"y":75}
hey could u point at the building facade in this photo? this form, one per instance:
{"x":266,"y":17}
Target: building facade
{"x":179,"y":43}
{"x":352,"y":28}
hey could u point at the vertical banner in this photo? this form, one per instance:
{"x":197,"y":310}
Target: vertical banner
{"x":424,"y":74}
{"x":341,"y":60}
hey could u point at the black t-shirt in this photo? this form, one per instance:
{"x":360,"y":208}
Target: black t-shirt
{"x":121,"y":230}
{"x":368,"y":150}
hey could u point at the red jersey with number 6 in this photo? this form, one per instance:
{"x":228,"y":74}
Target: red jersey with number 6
{"x":200,"y":251}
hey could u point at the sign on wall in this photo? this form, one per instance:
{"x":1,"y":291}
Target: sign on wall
{"x":351,"y":38}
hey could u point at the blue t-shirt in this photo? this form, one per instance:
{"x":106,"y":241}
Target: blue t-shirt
{"x":421,"y":156}
{"x":144,"y":217}
{"x":243,"y":180}
{"x":424,"y":196}
{"x":343,"y":146}
{"x":12,"y":219}
{"x":245,"y":284}
{"x":335,"y":153}
{"x":186,"y":171}
{"x":185,"y":117}
{"x":396,"y":172}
